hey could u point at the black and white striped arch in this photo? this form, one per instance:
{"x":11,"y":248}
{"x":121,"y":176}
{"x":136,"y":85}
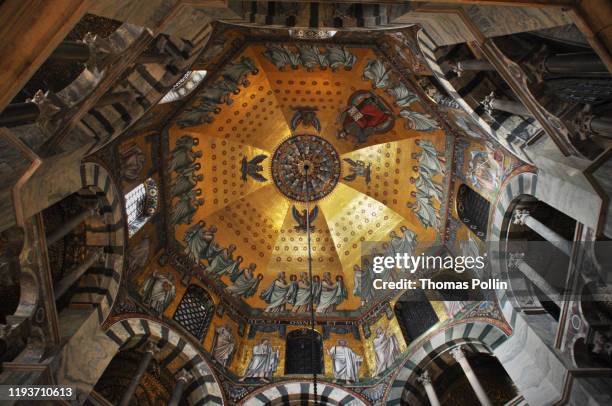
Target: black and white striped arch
{"x":175,"y":354}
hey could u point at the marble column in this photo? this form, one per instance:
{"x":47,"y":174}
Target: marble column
{"x":516,"y":261}
{"x":90,"y":49}
{"x":491,"y":103}
{"x":74,"y":274}
{"x":523,"y":217}
{"x":70,"y":224}
{"x":472,"y":65}
{"x":425,"y":380}
{"x":182,"y":379}
{"x":601,"y":126}
{"x":459,"y":356}
{"x":575,"y":63}
{"x":150,"y":350}
{"x":17,"y":114}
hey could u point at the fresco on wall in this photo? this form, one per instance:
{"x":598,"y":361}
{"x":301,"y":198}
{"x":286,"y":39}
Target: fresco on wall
{"x":138,"y":254}
{"x":158,"y":291}
{"x":132,"y":163}
{"x":137,"y":159}
{"x":223,"y":345}
{"x":429,"y":193}
{"x":483,"y":166}
{"x":387,"y":349}
{"x":346,"y":363}
{"x":264,"y":361}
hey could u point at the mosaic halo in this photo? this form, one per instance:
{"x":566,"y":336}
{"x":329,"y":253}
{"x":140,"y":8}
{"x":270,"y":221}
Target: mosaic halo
{"x":301,"y":152}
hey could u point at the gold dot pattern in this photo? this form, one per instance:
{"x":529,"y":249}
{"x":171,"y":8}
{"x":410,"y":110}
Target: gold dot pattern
{"x":329,"y":92}
{"x":354,"y":218}
{"x":222,"y":160}
{"x":252,"y":224}
{"x":253,"y":117}
{"x":291,"y":248}
{"x":391,"y":167}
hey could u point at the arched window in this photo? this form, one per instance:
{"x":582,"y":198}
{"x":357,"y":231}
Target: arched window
{"x":195,"y":311}
{"x":141,"y":205}
{"x":473,"y":210}
{"x":184,"y":86}
{"x":303,"y":352}
{"x":414,"y":314}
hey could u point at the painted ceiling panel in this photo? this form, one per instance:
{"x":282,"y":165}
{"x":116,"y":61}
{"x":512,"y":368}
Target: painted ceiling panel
{"x":354,"y":218}
{"x":253,"y":117}
{"x":388,"y":154}
{"x":290,"y":253}
{"x":224,"y":182}
{"x":252,"y":224}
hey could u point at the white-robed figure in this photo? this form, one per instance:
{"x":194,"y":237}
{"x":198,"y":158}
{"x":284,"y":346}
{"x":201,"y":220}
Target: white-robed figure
{"x":158,"y":291}
{"x":224,"y":344}
{"x":263,"y":363}
{"x":345,"y":362}
{"x":245,"y":283}
{"x":366,"y":291}
{"x":224,"y":263}
{"x":332,"y":294}
{"x":386,"y":348}
{"x":430,"y":159}
{"x":428,"y":186}
{"x":276,"y":294}
{"x":424,"y":209}
{"x":357,"y":276}
{"x":406,"y":244}
{"x":302,"y":301}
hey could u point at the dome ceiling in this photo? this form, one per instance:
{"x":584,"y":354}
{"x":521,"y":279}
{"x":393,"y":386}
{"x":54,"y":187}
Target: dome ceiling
{"x":239,"y":149}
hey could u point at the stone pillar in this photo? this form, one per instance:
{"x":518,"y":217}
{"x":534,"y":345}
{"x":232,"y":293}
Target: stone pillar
{"x":83,"y":51}
{"x":491,"y":103}
{"x":71,"y":51}
{"x":575,"y":63}
{"x":182,"y":379}
{"x":523,"y":217}
{"x":602,"y":126}
{"x":69,"y":225}
{"x":516,"y":261}
{"x":425,"y":380}
{"x":19,"y":114}
{"x":459,"y":356}
{"x":117,"y":97}
{"x":75,"y":273}
{"x":472,"y":65}
{"x":150,"y":350}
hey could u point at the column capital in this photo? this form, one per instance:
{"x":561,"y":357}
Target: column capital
{"x":515,"y":259}
{"x":487,"y":103}
{"x":183,"y":376}
{"x":48,"y":110}
{"x":457,"y":353}
{"x":519,"y":216}
{"x":151,"y":347}
{"x":424,"y":378}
